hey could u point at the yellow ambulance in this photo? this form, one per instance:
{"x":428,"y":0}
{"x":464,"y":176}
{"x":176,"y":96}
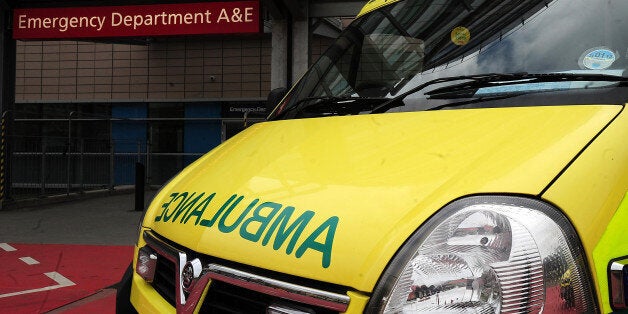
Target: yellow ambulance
{"x":442,"y":156}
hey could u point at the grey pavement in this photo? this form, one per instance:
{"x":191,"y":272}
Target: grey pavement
{"x":101,"y":219}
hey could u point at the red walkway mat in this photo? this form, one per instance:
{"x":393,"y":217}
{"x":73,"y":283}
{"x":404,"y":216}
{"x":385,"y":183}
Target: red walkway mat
{"x":37,"y":278}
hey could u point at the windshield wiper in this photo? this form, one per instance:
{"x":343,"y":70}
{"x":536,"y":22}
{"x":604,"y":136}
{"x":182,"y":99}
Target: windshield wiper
{"x":475,"y":82}
{"x":469,"y":89}
{"x":335,"y":105}
{"x":393,"y":102}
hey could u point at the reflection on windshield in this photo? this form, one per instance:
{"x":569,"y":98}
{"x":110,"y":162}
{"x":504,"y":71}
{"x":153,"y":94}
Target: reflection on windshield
{"x":391,"y":51}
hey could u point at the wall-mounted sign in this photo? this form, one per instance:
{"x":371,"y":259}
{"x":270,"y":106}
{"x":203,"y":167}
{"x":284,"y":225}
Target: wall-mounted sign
{"x":238,"y":109}
{"x":138,"y":20}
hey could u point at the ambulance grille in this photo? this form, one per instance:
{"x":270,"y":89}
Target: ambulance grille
{"x":226,"y":298}
{"x":164,"y":282}
{"x":223,"y":297}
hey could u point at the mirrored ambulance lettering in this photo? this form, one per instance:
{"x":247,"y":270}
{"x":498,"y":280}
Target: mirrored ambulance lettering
{"x":270,"y":222}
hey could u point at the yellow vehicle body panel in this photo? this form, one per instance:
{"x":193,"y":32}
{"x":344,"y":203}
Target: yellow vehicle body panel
{"x":591,"y":190}
{"x":613,"y":245}
{"x":333,"y":199}
{"x":374,"y":5}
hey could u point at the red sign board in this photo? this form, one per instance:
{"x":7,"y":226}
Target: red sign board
{"x":138,"y":20}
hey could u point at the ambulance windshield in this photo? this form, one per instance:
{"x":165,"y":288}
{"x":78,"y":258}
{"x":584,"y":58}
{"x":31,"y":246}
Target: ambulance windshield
{"x":418,"y":55}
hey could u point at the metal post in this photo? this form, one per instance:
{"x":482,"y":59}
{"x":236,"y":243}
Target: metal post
{"x":69,"y":151}
{"x":8,"y":62}
{"x":139,"y":151}
{"x":148,"y":162}
{"x":139,"y":186}
{"x":148,"y":154}
{"x":81,"y":165}
{"x":111,"y":155}
{"x":111,"y":165}
{"x":42,"y":189}
{"x":5,"y":164}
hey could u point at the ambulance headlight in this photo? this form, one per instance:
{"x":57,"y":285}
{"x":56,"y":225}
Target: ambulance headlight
{"x":146,"y":263}
{"x":489,"y":254}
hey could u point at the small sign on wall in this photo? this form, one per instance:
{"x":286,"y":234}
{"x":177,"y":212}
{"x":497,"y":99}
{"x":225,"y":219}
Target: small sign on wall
{"x":237,"y":17}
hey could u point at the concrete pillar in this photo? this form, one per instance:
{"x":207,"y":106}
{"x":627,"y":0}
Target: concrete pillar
{"x":7,"y":99}
{"x":300,"y":48}
{"x":7,"y":63}
{"x":279,"y":55}
{"x":290,"y":41}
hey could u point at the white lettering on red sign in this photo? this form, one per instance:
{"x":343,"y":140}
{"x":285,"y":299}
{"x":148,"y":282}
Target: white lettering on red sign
{"x":61,"y":23}
{"x":147,"y":20}
{"x":162,"y":19}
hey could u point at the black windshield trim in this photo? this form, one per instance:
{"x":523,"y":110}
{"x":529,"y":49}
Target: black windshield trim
{"x":526,"y":78}
{"x":494,"y":79}
{"x":391,"y":103}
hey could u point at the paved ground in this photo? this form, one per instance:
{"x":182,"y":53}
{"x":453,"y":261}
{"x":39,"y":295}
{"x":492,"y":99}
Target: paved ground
{"x":67,"y":257}
{"x":99,"y":220}
{"x":40,"y":278}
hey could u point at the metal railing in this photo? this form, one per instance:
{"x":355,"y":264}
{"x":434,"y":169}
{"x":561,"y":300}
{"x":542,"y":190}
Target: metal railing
{"x":48,"y":166}
{"x":40,"y":166}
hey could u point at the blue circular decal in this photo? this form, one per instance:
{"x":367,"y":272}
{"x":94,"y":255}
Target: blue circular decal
{"x":597,"y":58}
